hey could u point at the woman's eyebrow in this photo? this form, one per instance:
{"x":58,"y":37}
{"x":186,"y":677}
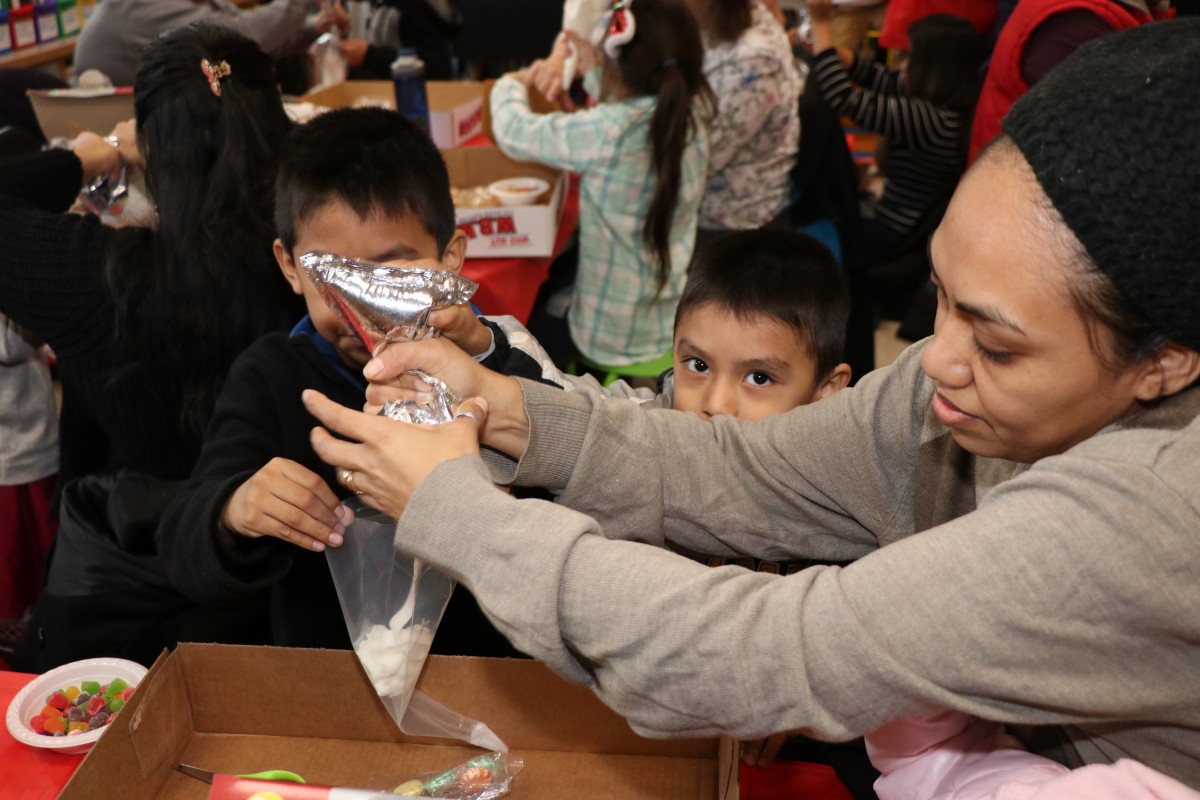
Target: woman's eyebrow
{"x":985,"y":313}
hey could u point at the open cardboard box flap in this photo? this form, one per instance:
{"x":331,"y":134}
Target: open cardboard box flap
{"x":456,"y":108}
{"x":66,"y":112}
{"x":245,"y":709}
{"x":506,"y":231}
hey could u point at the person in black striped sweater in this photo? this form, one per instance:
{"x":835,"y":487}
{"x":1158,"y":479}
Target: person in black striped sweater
{"x":923,"y":112}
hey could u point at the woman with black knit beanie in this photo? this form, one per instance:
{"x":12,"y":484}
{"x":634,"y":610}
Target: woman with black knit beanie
{"x":1020,"y":493}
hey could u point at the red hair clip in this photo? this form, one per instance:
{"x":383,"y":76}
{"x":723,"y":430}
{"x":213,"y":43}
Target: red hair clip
{"x":621,"y":27}
{"x":214,"y":73}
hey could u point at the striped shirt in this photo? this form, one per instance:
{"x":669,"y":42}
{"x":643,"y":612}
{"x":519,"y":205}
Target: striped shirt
{"x":615,"y":317}
{"x":926,"y":152}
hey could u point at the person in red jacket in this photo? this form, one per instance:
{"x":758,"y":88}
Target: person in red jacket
{"x":1038,"y":35}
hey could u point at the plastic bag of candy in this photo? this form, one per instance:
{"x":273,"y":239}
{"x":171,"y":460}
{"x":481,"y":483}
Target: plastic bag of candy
{"x":392,"y":604}
{"x":481,"y":778}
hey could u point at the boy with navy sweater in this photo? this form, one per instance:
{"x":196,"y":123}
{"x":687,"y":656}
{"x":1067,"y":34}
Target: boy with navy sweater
{"x":260,"y":507}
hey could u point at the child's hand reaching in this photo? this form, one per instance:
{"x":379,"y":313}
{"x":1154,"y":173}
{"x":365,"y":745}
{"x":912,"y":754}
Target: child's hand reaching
{"x":460,"y":325}
{"x":287,"y":501}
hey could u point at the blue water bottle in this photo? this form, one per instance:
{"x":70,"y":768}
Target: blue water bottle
{"x":408,"y":74}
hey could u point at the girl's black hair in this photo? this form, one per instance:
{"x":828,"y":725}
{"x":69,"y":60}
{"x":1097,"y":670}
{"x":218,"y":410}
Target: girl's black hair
{"x":945,"y":54}
{"x":665,"y":58}
{"x":197,"y":290}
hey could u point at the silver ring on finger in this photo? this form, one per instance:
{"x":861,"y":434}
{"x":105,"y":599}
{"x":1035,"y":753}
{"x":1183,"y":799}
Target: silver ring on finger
{"x":471,"y":415}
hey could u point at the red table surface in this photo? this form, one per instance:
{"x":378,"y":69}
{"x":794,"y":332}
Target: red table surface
{"x":27,"y":773}
{"x":510,"y":285}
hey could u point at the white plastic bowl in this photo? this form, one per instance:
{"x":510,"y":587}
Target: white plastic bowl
{"x":30,"y":700}
{"x":518,"y":191}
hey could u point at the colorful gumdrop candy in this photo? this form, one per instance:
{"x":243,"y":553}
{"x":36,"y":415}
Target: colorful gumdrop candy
{"x":73,"y":710}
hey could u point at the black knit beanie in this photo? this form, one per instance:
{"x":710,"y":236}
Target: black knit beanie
{"x":1113,"y":135}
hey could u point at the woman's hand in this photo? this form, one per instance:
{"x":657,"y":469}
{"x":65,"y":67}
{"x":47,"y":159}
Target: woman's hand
{"x":385,"y":460}
{"x":506,"y":428}
{"x":125,"y":135}
{"x":97,"y":156}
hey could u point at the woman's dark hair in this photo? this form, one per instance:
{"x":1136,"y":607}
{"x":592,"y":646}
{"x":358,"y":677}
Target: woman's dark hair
{"x":665,"y":59}
{"x":943,"y":63}
{"x":196,"y":291}
{"x":783,"y":275}
{"x":726,"y":20}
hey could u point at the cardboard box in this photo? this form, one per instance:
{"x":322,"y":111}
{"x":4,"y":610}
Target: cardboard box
{"x":86,"y":8}
{"x":455,"y":107}
{"x":65,"y":112}
{"x":245,"y":709}
{"x":455,"y":111}
{"x":505,"y":231}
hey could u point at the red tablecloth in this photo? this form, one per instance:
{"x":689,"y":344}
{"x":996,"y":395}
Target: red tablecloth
{"x":510,"y":285}
{"x":27,"y":773}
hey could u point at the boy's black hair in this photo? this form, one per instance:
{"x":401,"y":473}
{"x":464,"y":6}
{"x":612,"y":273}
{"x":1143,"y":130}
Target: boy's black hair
{"x":788,"y":276}
{"x":373,"y":160}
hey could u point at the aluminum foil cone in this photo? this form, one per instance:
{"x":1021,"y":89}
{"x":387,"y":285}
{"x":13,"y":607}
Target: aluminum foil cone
{"x":382,"y":303}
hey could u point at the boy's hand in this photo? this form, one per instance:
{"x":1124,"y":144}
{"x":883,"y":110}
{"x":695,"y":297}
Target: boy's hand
{"x":761,"y":752}
{"x":287,"y":501}
{"x":460,"y":325}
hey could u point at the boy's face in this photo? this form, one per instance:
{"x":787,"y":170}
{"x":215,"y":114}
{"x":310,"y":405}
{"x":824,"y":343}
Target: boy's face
{"x":747,"y":368}
{"x":336,"y":228}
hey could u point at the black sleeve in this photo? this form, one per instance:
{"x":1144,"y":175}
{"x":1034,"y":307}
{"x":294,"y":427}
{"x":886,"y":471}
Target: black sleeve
{"x":509,"y":360}
{"x":48,"y":180}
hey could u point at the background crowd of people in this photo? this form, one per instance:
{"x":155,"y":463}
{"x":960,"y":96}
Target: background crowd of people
{"x":974,"y":562}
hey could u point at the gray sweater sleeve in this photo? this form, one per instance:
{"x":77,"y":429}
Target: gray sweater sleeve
{"x":1063,"y":600}
{"x":277,"y":27}
{"x":832,"y":480}
{"x":1023,"y":611}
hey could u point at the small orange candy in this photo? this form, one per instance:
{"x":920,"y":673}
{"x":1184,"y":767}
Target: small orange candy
{"x":55,"y":725}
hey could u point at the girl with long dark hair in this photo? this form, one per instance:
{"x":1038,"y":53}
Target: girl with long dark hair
{"x":146,"y":321}
{"x":923,"y":113}
{"x":642,"y":154}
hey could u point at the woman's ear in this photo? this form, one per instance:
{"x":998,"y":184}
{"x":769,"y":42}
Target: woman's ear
{"x":455,"y":253}
{"x":287,"y":265}
{"x":1172,"y":369}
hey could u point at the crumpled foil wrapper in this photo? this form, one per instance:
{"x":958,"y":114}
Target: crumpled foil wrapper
{"x":106,"y":194}
{"x":382,"y":303}
{"x":438,"y":410}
